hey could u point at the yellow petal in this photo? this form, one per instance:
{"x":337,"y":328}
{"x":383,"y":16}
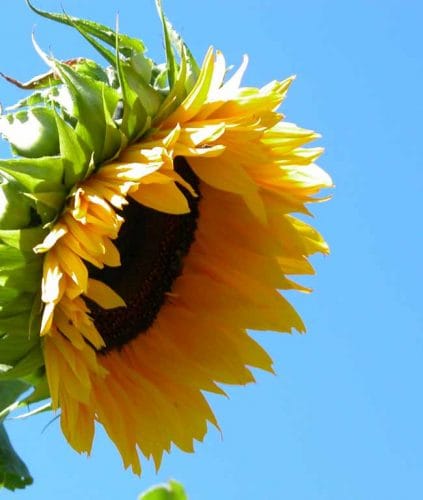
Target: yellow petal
{"x":227,"y":176}
{"x":51,"y":284}
{"x":73,"y":266}
{"x":103,"y":295}
{"x":51,"y":239}
{"x":163,"y":197}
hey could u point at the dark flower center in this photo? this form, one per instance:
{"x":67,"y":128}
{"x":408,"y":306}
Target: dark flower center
{"x":152,"y":246}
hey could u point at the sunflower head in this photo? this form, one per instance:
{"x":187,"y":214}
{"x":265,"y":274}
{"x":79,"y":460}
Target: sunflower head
{"x":145,"y":226}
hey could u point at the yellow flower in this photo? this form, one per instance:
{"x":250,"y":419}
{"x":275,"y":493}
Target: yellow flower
{"x":167,"y":250}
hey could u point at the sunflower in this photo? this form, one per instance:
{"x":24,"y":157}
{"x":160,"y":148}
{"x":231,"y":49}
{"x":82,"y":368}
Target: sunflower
{"x":146,"y":226}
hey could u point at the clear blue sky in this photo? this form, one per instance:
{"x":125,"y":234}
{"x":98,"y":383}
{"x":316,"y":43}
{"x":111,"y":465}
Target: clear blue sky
{"x":343,"y":418}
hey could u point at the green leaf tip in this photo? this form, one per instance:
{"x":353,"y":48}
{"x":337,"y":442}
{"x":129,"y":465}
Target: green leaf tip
{"x":14,"y":473}
{"x":129,"y":46}
{"x":170,"y":491}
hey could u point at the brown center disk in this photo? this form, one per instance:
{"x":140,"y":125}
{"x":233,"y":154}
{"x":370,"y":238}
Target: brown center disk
{"x":152,"y":246}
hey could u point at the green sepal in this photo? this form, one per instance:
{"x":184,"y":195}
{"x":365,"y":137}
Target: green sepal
{"x":172,"y":67}
{"x":89,"y":97}
{"x":10,"y":391}
{"x":176,"y":94}
{"x":91,"y":69}
{"x":36,"y":175}
{"x":35,"y":99}
{"x":187,"y":73}
{"x":32,"y":133}
{"x":76,"y":156}
{"x":23,"y":239}
{"x":14,"y":346}
{"x":134,"y":118}
{"x":150,"y":98}
{"x":134,"y":75}
{"x":193,"y":69}
{"x":41,"y":392}
{"x":34,"y":323}
{"x":20,"y":308}
{"x":12,"y":259}
{"x":15,"y":210}
{"x":48,"y":205}
{"x":159,"y":78}
{"x":10,"y":321}
{"x":26,"y":279}
{"x":47,"y":85}
{"x":114,"y":140}
{"x":14,"y":307}
{"x":129,"y":45}
{"x":142,"y":66}
{"x":103,"y":51}
{"x":174,"y":45}
{"x":31,"y":362}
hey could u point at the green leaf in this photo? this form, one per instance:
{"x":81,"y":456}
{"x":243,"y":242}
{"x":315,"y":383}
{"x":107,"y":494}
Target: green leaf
{"x":171,"y":491}
{"x":14,"y":473}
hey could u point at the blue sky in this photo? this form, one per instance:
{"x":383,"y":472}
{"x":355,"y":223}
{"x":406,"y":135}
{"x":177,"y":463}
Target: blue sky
{"x":342,"y":418}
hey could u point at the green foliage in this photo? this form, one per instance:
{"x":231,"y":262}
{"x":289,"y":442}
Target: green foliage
{"x":31,"y":133}
{"x":13,"y":472}
{"x":107,"y":35}
{"x":78,"y":117}
{"x":171,"y":491}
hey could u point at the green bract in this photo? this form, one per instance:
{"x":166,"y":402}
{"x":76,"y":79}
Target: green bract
{"x":78,"y":116}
